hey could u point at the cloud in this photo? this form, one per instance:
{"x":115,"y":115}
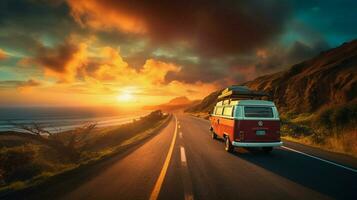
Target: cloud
{"x":61,"y":61}
{"x":108,"y":66}
{"x":29,"y":83}
{"x":36,"y":18}
{"x":207,"y":40}
{"x":210,"y":27}
{"x":280,"y":57}
{"x":156,"y":71}
{"x":57,"y":59}
{"x":22,"y":44}
{"x":3,"y":55}
{"x":19,"y":84}
{"x":301,"y":51}
{"x":84,"y":67}
{"x":119,"y":19}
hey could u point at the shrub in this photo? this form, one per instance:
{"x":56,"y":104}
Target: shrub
{"x":324,"y":118}
{"x":341,"y":116}
{"x":18,"y":164}
{"x":319,"y":137}
{"x":295,"y":130}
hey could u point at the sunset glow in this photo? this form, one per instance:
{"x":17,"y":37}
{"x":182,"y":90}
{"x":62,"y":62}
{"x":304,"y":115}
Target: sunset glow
{"x":125,"y":97}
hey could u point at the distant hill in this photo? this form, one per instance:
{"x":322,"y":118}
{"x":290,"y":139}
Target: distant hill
{"x":177,"y":103}
{"x":330,"y":78}
{"x":206,"y":104}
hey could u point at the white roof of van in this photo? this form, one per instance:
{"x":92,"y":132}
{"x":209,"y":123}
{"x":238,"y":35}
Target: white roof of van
{"x":253,"y":102}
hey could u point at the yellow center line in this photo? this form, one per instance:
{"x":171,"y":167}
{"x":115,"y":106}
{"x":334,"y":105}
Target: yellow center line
{"x":155,"y":192}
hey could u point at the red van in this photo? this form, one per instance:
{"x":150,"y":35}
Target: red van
{"x":245,"y":122}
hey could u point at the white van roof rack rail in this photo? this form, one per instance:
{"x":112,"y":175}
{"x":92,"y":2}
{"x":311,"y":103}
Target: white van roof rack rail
{"x":240,"y":92}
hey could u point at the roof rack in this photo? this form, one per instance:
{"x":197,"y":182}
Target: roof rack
{"x":240,"y":92}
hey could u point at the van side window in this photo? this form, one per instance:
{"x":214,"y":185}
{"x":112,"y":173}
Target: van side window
{"x":219,"y":111}
{"x":228,"y":111}
{"x":238,"y":111}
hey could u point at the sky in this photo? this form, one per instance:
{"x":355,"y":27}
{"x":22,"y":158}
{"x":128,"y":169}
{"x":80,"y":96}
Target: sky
{"x":132,"y":53}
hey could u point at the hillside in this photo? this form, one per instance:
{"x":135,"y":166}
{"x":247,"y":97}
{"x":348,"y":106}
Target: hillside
{"x":328,"y":79}
{"x":177,"y":103}
{"x":206,"y":104}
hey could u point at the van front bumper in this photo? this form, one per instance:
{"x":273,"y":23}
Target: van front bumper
{"x":257,"y":144}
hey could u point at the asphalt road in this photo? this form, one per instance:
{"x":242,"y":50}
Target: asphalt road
{"x":183,"y":162}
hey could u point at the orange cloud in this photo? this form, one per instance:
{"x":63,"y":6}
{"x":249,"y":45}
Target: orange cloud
{"x":156,"y":71}
{"x":108,"y":66}
{"x":27,"y":86}
{"x":262,"y":53}
{"x":97,"y":15}
{"x":84,"y":69}
{"x":3,"y":55}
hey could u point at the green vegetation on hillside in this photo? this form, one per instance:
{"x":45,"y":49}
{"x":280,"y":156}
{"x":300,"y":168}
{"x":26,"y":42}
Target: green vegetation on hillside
{"x":332,"y":128}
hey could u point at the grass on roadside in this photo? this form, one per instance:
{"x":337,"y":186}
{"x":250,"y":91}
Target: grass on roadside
{"x":25,"y":162}
{"x":332,"y":128}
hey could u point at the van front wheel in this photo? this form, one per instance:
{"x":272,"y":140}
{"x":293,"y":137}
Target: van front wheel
{"x":228,"y":147}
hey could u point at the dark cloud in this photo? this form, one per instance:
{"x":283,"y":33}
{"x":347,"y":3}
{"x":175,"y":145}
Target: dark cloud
{"x":205,"y":71}
{"x":35,"y":18}
{"x":211,"y":27}
{"x":21,"y":43}
{"x":215,"y":32}
{"x":19,"y":84}
{"x":284,"y":57}
{"x":335,"y":21}
{"x":29,"y":83}
{"x":300,"y":51}
{"x":242,"y":68}
{"x":29,"y":25}
{"x":57,"y":58}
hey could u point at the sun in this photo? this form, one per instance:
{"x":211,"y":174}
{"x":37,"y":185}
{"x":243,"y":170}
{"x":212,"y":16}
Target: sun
{"x":125,"y":97}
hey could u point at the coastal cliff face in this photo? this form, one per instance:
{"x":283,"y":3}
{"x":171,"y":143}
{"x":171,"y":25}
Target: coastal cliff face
{"x":328,"y":79}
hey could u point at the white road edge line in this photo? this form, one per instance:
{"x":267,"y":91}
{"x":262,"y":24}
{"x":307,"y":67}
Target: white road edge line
{"x":155,"y":192}
{"x":183,"y":155}
{"x":323,"y":160}
{"x":187,"y":184}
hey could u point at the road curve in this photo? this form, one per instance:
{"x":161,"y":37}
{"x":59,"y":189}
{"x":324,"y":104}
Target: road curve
{"x":199,"y":168}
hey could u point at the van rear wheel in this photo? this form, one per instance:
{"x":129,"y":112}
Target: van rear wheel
{"x":228,"y":145}
{"x":267,"y":149}
{"x":213,"y":135}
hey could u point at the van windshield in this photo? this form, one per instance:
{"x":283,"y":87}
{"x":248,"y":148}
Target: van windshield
{"x":264,"y":112}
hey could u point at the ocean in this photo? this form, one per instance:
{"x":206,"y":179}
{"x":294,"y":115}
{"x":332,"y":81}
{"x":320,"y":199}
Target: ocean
{"x":58,"y":119}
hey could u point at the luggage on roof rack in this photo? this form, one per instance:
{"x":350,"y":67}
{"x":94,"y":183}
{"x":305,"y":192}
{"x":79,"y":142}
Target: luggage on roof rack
{"x":240,"y":92}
